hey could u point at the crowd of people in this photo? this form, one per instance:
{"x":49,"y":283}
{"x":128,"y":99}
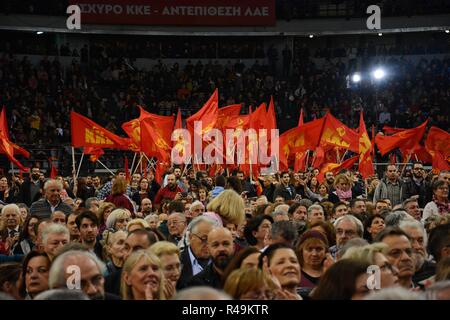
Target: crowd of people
{"x":193,"y":236}
{"x":105,"y":85}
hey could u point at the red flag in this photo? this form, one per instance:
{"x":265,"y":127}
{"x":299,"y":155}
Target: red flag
{"x":94,"y":153}
{"x":305,"y":137}
{"x":437,"y":144}
{"x":338,"y":134}
{"x":406,"y":139}
{"x":300,"y":119}
{"x":365,"y":150}
{"x":53,"y":171}
{"x":390,"y":130}
{"x":226,"y":114}
{"x":178,"y":122}
{"x":160,"y":170}
{"x":271,"y":116}
{"x":87,"y":133}
{"x":299,"y":163}
{"x":318,"y":159}
{"x":6,"y":146}
{"x":208,"y":114}
{"x":336,"y":167}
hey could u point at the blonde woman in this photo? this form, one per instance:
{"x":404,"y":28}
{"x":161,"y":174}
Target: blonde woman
{"x":169,"y":254}
{"x":373,"y":254}
{"x":137,"y":224}
{"x":230,"y":206}
{"x":114,"y":250}
{"x":103,"y":212}
{"x":344,"y":190}
{"x":142,"y":277}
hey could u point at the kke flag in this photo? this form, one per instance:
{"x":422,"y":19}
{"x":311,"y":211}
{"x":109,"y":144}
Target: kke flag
{"x":336,"y":167}
{"x":94,"y":153}
{"x":226,"y":114}
{"x":438,"y":146}
{"x":406,"y":139}
{"x":365,"y":150}
{"x":208,"y":115}
{"x":6,"y":146}
{"x":338,"y":134}
{"x":87,"y":133}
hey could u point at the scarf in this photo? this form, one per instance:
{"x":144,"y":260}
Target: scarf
{"x":443,"y":207}
{"x":344,"y":195}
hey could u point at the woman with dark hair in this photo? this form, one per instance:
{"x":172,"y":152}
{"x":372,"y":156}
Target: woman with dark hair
{"x":257,"y":229}
{"x":327,"y":229}
{"x":246,"y":258}
{"x":6,"y":195}
{"x":344,"y":280}
{"x":35,"y":271}
{"x":372,"y":226}
{"x":440,"y":205}
{"x":28,"y":236}
{"x":10,"y":279}
{"x":143,"y":192}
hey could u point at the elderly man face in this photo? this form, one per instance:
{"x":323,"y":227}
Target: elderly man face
{"x":52,"y":192}
{"x":413,"y":209}
{"x":59,"y":217}
{"x":54,"y":242}
{"x":11,"y":217}
{"x":196,"y":210}
{"x":176,"y":224}
{"x":198,"y":239}
{"x":400,"y":254}
{"x":345,"y":230}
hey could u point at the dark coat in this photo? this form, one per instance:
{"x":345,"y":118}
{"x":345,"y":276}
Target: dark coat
{"x":208,"y":277}
{"x":24,"y":195}
{"x":186,"y":269}
{"x":283,"y":192}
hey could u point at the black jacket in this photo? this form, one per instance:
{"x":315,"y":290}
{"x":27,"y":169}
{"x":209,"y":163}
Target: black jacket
{"x":208,"y":277}
{"x":112,"y":282}
{"x":24,"y":195}
{"x":186,"y":269}
{"x":268,"y":191}
{"x":410,"y":188}
{"x":283,"y":192}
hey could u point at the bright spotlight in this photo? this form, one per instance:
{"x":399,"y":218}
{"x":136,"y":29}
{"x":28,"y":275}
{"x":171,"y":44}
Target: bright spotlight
{"x":311,"y":36}
{"x":447,"y":31}
{"x":380,"y":34}
{"x":356,"y":78}
{"x":39,"y":32}
{"x":378,"y":74}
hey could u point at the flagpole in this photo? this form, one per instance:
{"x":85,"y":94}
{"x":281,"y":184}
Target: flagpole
{"x":105,"y":167}
{"x":73,"y":160}
{"x":79,"y":166}
{"x":406,"y":163}
{"x":137,"y":166}
{"x":314,"y":157}
{"x":307,"y":160}
{"x":134,"y":159}
{"x":343,"y":156}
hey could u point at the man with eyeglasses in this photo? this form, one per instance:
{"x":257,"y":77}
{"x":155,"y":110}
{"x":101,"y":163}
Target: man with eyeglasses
{"x":417,"y":185}
{"x":399,"y":254}
{"x":195,"y":257}
{"x":347,"y":227}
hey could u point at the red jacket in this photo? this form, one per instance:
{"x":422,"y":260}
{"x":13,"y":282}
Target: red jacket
{"x":121,"y":201}
{"x":166,"y":194}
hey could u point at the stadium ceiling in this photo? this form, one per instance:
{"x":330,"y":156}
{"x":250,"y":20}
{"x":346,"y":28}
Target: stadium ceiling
{"x":318,"y":27}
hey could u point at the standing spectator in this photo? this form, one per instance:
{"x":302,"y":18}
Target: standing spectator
{"x":30,"y":190}
{"x":118,"y":196}
{"x":284,"y":189}
{"x":390,"y":187}
{"x":169,"y":192}
{"x":417,"y":185}
{"x":51,"y":202}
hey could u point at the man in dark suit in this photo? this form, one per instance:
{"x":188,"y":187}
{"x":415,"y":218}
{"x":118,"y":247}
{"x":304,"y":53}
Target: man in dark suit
{"x":30,"y":190}
{"x":221,"y":250}
{"x":195,"y":257}
{"x":284,"y":189}
{"x":10,"y":234}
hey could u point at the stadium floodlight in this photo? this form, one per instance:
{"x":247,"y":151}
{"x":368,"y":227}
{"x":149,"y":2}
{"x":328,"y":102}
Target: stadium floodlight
{"x":378,"y":74}
{"x":447,"y":31}
{"x":356,"y":77}
{"x":380,"y":34}
{"x":311,"y":36}
{"x":39,"y":32}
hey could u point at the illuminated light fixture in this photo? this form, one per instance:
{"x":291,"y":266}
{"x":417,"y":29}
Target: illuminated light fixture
{"x":40,"y":32}
{"x":380,"y":34}
{"x":447,"y":31}
{"x":356,"y":77}
{"x":311,"y":36}
{"x":378,"y":74}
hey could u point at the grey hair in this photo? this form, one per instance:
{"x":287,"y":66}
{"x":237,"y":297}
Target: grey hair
{"x":201,"y":293}
{"x":394,"y":293}
{"x":52,"y":181}
{"x":88,"y":202}
{"x":12,"y":206}
{"x":179,"y":214}
{"x":285,"y":229}
{"x":356,"y":221}
{"x":196,"y":203}
{"x":56,"y":277}
{"x":407,"y":223}
{"x":315,"y":206}
{"x":264,"y":198}
{"x":352,"y":243}
{"x":152,"y":215}
{"x":393,"y":219}
{"x":54,"y":228}
{"x":62,"y":294}
{"x":432,"y":292}
{"x":194,"y":223}
{"x":281,"y":208}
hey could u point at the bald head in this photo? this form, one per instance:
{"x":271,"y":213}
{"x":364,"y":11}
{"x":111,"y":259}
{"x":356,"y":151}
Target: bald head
{"x":221,"y":247}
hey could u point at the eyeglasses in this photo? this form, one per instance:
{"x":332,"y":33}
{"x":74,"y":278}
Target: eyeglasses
{"x":203,"y":239}
{"x":342,"y":232}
